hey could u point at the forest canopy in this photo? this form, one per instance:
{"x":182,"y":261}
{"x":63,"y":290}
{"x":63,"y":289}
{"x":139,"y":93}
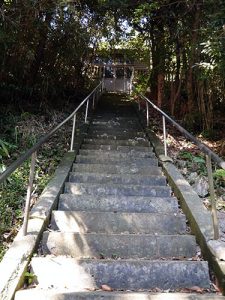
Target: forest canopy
{"x":46,"y":47}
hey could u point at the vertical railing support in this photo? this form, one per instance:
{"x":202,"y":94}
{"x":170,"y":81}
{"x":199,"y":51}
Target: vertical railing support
{"x":147,"y":114}
{"x":29,"y":191}
{"x":86,"y":112}
{"x":164,"y":135}
{"x":213,"y":198}
{"x":73,"y":132}
{"x":93,"y":101}
{"x":139,"y":105}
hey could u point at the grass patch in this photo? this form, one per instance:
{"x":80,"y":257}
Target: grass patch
{"x":13,"y":190}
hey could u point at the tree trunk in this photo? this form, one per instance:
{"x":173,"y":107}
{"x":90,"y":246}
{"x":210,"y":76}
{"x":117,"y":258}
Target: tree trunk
{"x":161,"y":81}
{"x":192,"y":56}
{"x":40,"y":49}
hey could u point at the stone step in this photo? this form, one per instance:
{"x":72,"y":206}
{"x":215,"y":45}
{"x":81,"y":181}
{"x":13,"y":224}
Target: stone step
{"x":125,"y":142}
{"x":107,"y":117}
{"x":132,"y":153}
{"x":117,"y":169}
{"x":116,"y":147}
{"x":118,"y":136}
{"x":117,"y":123}
{"x":118,"y":127}
{"x":60,"y":272}
{"x":39,"y":294}
{"x":84,"y":177}
{"x":118,"y":246}
{"x":118,"y":204}
{"x":110,"y":222}
{"x":116,"y":158}
{"x":114,"y":131}
{"x":99,"y":189}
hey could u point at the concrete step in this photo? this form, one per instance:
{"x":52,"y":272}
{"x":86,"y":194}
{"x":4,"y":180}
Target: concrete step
{"x":99,"y":189}
{"x":116,"y":147}
{"x":118,"y":246}
{"x":115,"y":158}
{"x":125,"y":142}
{"x":37,"y":294}
{"x":117,"y":169}
{"x":60,"y":272}
{"x":118,"y":204}
{"x":84,"y":177}
{"x":110,"y":222}
{"x":131,"y":154}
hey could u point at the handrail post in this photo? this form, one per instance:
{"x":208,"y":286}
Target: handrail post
{"x":93,"y":101}
{"x":139,"y":105}
{"x":164,"y":135}
{"x":73,"y":132}
{"x":86,"y":112}
{"x":147,"y":114}
{"x":212,"y":197}
{"x":29,"y":191}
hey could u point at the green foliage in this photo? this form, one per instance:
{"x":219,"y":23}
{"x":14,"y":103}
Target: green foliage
{"x":195,"y":162}
{"x":30,"y":277}
{"x":219,"y":177}
{"x":141,"y":83}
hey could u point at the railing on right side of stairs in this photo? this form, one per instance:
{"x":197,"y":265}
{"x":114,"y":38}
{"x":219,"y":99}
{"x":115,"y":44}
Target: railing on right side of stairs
{"x":90,"y":102}
{"x":210,"y":155}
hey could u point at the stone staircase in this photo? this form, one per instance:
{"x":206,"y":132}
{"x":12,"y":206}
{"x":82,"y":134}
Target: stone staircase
{"x":118,"y":232}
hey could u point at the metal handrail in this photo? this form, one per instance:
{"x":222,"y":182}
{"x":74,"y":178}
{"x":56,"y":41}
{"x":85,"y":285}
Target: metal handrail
{"x":208,"y":152}
{"x":200,"y":145}
{"x":42,"y":140}
{"x":33,"y":150}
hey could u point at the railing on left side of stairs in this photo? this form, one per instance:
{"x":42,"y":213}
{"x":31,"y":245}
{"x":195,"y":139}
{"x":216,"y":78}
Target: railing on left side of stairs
{"x":32,"y":152}
{"x":210,"y":155}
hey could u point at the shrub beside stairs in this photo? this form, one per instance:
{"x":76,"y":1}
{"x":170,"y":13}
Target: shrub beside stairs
{"x":118,"y":232}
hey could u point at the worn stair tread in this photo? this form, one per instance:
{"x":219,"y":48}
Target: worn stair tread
{"x":86,"y":177}
{"x":118,"y":246}
{"x":65,"y":294}
{"x":68,"y":272}
{"x":118,"y":204}
{"x":118,"y":136}
{"x":116,"y":148}
{"x":117,"y":189}
{"x":115,"y":158}
{"x":132,"y":168}
{"x":118,"y":222}
{"x":113,"y":131}
{"x":128,"y":152}
{"x":125,"y":142}
{"x":116,"y":125}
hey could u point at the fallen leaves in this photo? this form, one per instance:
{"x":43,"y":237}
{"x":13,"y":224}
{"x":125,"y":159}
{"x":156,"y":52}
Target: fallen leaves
{"x":106,"y":288}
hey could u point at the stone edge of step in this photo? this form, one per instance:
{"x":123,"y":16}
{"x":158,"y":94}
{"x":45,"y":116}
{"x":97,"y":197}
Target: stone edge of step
{"x":113,"y":295}
{"x":198,"y":216}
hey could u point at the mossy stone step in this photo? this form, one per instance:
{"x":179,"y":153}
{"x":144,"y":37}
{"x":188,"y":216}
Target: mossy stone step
{"x":118,"y":246}
{"x":118,"y":204}
{"x":62,"y":271}
{"x":84,"y":177}
{"x":115,"y":158}
{"x":117,"y":222}
{"x":125,"y":142}
{"x":132,"y":168}
{"x":100,"y":189}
